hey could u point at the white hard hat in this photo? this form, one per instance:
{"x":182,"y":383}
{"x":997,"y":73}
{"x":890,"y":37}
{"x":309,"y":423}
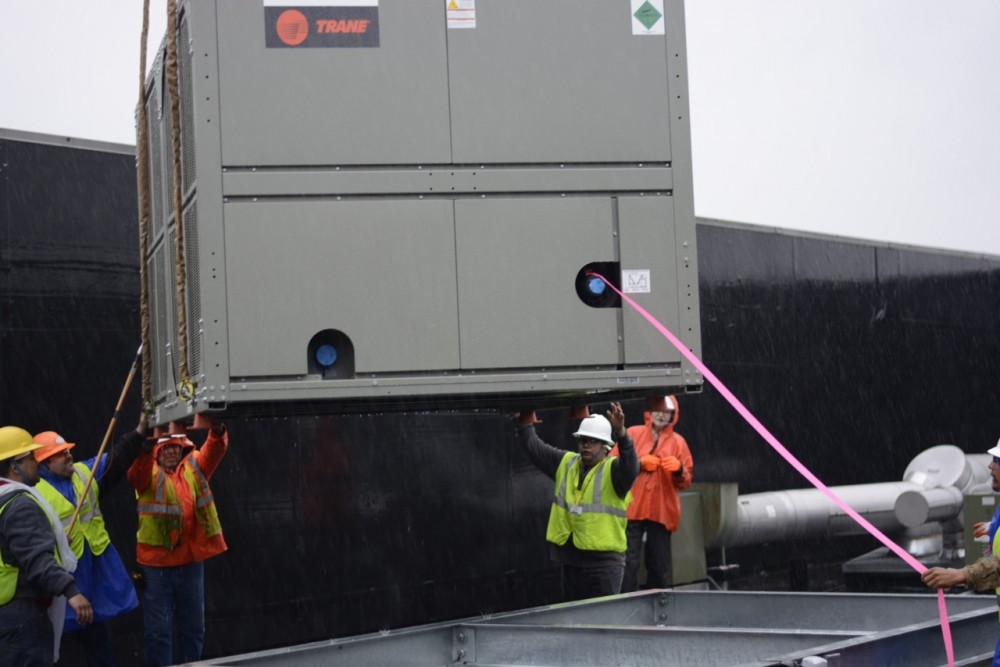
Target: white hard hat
{"x":994,"y":451}
{"x":597,"y":427}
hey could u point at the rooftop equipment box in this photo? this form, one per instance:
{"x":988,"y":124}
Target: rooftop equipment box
{"x":400,"y":200}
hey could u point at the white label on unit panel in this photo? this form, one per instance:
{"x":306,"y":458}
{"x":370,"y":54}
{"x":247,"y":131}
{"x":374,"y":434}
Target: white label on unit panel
{"x":635,"y":281}
{"x":989,"y":500}
{"x":460,"y":13}
{"x":647,"y":17}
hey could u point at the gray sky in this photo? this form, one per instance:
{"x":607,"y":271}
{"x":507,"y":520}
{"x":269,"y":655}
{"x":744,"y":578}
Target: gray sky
{"x":871,"y":119}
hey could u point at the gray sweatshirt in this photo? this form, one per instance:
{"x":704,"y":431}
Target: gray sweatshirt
{"x":27,"y":542}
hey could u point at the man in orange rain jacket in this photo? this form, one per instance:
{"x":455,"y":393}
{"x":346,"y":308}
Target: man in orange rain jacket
{"x":178,"y":530}
{"x":665,"y":468}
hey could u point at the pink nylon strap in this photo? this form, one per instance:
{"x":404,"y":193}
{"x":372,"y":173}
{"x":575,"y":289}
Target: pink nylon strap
{"x":795,"y":463}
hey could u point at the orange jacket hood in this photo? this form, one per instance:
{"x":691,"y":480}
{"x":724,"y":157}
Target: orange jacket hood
{"x":648,"y":416}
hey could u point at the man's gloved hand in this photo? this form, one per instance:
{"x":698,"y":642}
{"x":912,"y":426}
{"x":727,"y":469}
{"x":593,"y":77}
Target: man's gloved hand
{"x":649,"y":463}
{"x":981,"y":531}
{"x":670,"y":463}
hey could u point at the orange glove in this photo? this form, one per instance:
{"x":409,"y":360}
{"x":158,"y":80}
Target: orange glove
{"x":649,"y":463}
{"x":671,"y":463}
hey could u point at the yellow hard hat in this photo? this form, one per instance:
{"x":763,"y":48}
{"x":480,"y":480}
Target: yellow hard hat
{"x":15,"y":441}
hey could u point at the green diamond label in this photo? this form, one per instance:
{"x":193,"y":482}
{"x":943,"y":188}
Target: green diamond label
{"x":647,"y":17}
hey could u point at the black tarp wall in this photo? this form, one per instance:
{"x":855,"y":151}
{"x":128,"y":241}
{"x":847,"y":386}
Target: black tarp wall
{"x":856,"y":355}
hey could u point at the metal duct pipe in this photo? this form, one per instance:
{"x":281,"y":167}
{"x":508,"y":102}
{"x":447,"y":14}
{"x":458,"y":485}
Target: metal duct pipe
{"x":777,"y":516}
{"x":915,"y":508}
{"x":932,"y":489}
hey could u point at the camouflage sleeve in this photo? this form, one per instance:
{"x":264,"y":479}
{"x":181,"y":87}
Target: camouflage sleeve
{"x":983,"y":574}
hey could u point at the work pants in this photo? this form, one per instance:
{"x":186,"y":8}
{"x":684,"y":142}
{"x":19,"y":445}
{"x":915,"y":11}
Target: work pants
{"x":26,"y":638}
{"x":173,"y":596}
{"x":590,"y":581}
{"x":657,"y":548}
{"x":96,"y":642}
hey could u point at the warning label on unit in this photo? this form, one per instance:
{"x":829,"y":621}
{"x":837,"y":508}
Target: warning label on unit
{"x":460,"y":13}
{"x":635,"y":281}
{"x":647,"y":17}
{"x":320,"y":23}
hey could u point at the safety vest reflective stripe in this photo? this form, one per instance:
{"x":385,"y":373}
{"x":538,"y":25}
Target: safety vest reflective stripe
{"x":91,"y":507}
{"x":603,"y":509}
{"x":208,"y":498}
{"x":160,"y":508}
{"x":161,"y":486}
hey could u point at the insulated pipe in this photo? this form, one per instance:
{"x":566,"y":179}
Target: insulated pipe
{"x":932,"y":489}
{"x":777,"y":516}
{"x":915,"y":508}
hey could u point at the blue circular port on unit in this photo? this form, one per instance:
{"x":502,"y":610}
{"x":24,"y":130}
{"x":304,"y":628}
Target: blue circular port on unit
{"x":596,"y":286}
{"x":326,"y":355}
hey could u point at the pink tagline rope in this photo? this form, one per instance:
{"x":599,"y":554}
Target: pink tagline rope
{"x":795,"y":463}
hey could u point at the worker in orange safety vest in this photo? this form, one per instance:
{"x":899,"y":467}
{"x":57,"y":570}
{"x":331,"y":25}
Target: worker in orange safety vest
{"x":178,"y":530}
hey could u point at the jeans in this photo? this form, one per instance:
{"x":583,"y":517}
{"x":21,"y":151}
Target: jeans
{"x":26,"y":638}
{"x":657,"y":555}
{"x":174,"y":597}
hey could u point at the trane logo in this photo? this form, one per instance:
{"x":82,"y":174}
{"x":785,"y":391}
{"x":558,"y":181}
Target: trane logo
{"x":357,"y":26}
{"x":312,"y":26}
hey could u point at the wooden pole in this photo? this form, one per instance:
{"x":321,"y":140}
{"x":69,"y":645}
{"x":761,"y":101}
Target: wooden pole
{"x":107,"y":436}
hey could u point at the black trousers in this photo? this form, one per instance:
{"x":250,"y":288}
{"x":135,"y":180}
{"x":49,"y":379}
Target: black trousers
{"x":657,"y":549}
{"x":591,"y":581}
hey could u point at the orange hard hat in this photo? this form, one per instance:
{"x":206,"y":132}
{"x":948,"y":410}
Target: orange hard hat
{"x":51,"y":444}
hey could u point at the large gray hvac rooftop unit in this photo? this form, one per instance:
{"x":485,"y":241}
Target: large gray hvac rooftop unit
{"x":398,"y":201}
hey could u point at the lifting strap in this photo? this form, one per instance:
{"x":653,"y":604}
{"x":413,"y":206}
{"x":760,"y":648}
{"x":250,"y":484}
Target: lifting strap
{"x":184,"y":385}
{"x":142,"y":163}
{"x":170,"y":71}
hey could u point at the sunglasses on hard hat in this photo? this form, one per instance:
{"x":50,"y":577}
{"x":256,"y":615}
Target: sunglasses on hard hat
{"x":996,"y":461}
{"x":591,"y":442}
{"x":29,"y":456}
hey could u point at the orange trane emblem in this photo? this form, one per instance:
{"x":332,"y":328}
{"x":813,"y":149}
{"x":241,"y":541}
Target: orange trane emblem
{"x":292,"y":27}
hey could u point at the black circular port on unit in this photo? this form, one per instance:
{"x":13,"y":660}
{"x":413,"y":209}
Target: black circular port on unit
{"x":593,"y":290}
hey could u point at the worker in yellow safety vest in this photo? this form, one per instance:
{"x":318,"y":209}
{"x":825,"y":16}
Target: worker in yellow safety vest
{"x":36,"y":562}
{"x":587,"y":520}
{"x":100,"y":573}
